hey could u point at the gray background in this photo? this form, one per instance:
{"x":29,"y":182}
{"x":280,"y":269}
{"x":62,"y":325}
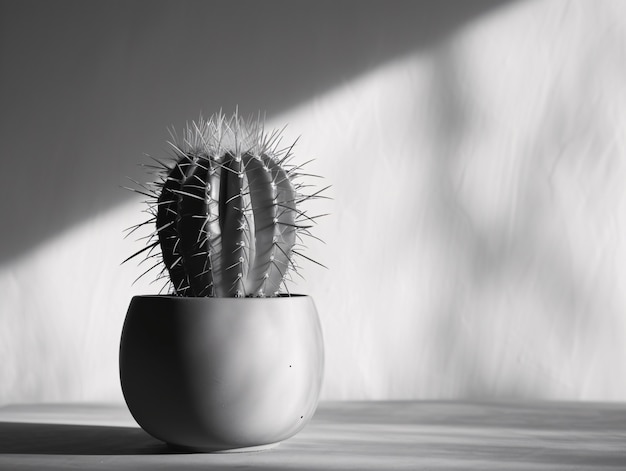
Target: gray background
{"x":476,"y":154}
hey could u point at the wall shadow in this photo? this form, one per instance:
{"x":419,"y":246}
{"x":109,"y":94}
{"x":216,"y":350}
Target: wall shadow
{"x":88,"y":87}
{"x":517,"y":253}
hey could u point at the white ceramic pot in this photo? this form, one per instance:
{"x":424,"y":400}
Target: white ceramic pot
{"x":221,"y":374}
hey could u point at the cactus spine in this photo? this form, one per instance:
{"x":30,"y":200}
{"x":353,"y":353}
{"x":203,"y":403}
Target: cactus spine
{"x":226,"y":211}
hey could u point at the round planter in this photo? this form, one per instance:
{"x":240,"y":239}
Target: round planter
{"x":221,"y":374}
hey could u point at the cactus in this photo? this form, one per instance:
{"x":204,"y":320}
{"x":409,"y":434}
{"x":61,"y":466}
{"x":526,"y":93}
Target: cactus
{"x":227,"y":211}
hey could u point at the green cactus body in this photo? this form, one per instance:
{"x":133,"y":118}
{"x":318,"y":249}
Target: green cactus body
{"x":226,"y":212}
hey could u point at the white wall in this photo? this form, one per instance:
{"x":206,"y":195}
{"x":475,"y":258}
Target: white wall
{"x":475,"y":245}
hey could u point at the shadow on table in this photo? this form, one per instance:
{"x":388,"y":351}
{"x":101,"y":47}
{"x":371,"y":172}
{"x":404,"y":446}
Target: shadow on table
{"x":63,"y":439}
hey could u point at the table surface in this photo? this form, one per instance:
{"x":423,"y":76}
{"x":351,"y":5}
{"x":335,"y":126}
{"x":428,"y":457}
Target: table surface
{"x":424,"y":435}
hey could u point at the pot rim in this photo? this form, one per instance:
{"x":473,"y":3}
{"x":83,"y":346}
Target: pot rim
{"x":222,"y":298}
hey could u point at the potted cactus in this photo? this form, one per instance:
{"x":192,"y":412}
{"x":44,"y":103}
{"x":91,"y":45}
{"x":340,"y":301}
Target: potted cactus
{"x":229,"y":359}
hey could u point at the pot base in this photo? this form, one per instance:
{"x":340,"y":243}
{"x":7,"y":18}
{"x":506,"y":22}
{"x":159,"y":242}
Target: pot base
{"x":246,"y":449}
